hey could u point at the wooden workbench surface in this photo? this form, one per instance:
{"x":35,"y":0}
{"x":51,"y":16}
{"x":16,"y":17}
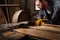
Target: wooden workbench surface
{"x":52,"y":33}
{"x":39,"y":33}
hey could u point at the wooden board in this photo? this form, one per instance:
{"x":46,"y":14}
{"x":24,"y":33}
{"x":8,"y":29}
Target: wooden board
{"x":39,"y":33}
{"x":11,"y":25}
{"x":46,"y":28}
{"x":2,"y":17}
{"x":12,"y":35}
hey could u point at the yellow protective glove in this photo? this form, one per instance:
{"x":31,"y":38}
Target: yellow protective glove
{"x":39,"y":22}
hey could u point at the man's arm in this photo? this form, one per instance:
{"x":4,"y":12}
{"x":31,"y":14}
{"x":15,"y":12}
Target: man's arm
{"x":39,"y":20}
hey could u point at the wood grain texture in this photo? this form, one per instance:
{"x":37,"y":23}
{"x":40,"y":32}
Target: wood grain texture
{"x":39,"y":33}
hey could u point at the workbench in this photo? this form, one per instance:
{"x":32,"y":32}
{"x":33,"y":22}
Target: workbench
{"x":47,"y":32}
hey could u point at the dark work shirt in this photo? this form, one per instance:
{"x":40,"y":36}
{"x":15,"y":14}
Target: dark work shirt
{"x":54,"y":17}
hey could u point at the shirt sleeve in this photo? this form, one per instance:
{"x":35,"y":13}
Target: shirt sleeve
{"x":40,"y":14}
{"x":56,"y":8}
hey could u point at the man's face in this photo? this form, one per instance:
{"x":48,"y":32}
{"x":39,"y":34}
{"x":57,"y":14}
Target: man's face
{"x":39,"y":4}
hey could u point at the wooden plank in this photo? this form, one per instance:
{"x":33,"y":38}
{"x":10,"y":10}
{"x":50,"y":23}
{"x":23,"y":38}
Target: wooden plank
{"x":11,"y":25}
{"x":12,"y":35}
{"x":2,"y":17}
{"x":7,"y":12}
{"x":9,"y":5}
{"x":51,"y":25}
{"x":39,"y":33}
{"x":46,"y":28}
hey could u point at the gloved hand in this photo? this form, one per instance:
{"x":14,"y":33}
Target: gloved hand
{"x":39,"y":22}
